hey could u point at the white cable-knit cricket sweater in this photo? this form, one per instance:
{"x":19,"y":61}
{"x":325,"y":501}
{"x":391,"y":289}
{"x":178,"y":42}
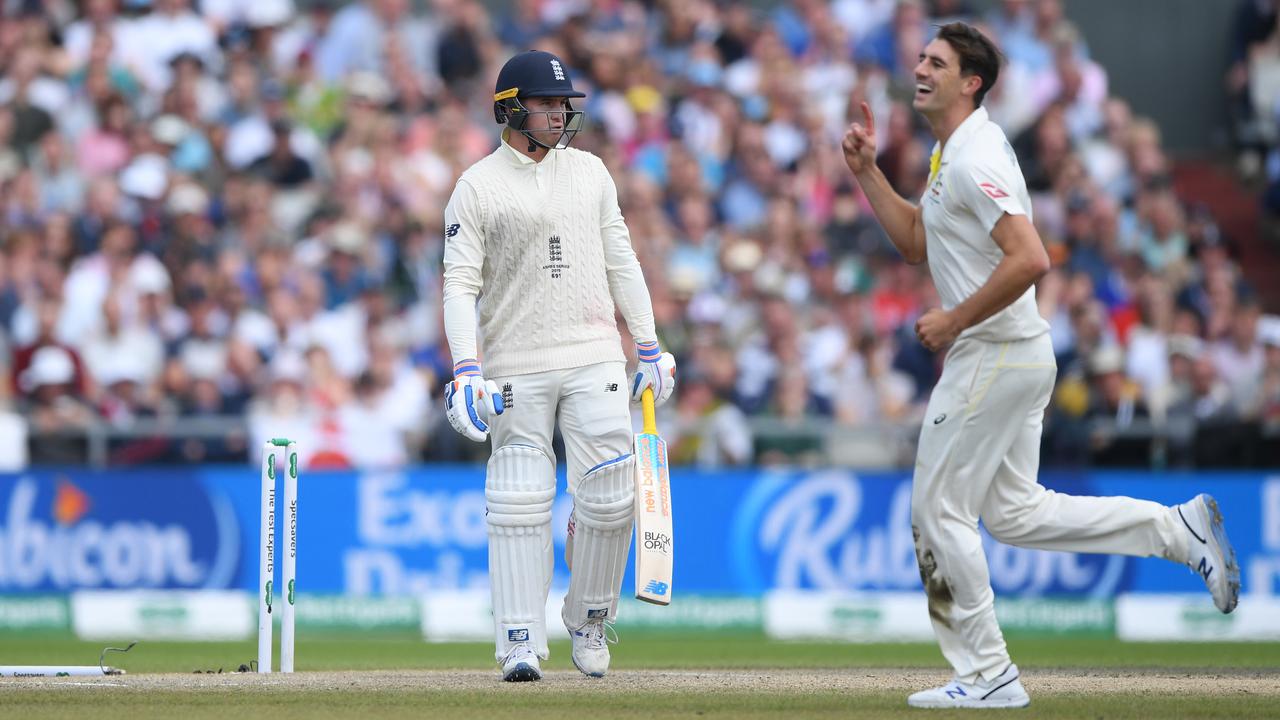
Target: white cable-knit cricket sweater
{"x":544,"y":247}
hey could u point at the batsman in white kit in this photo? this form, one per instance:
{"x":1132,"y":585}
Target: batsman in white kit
{"x":980,"y":439}
{"x":534,"y":234}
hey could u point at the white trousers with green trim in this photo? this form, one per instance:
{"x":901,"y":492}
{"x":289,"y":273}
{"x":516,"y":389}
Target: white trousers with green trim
{"x":978,"y":458}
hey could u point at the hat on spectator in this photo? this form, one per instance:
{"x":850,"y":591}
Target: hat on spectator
{"x":1077,"y":202}
{"x":147,"y":276}
{"x":645,"y":98}
{"x":1106,"y":359}
{"x":169,"y":129}
{"x":184,"y":56}
{"x":346,"y":237}
{"x":50,"y":365}
{"x":368,"y":87}
{"x":704,"y":73}
{"x":742,"y":257}
{"x":272,"y":90}
{"x":145,"y":177}
{"x":1188,"y":346}
{"x":188,"y":199}
{"x":28,"y":8}
{"x":269,"y":13}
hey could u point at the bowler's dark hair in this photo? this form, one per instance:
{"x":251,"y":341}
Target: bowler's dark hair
{"x":978,"y":55}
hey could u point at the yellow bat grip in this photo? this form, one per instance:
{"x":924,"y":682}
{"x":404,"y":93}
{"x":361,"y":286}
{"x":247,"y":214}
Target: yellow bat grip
{"x":646,"y":406}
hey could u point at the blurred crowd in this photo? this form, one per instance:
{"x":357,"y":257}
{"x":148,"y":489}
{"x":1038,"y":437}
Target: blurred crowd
{"x":234,"y":208}
{"x":1253,"y":88}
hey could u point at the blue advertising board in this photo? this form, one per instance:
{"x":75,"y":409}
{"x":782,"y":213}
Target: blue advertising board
{"x":738,"y":532}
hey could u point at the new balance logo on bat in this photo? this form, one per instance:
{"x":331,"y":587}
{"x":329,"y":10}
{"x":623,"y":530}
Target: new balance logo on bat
{"x":657,"y":588}
{"x":611,"y":387}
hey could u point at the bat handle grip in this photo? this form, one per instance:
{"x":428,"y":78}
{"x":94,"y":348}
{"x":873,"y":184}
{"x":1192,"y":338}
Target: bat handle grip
{"x":646,"y":407}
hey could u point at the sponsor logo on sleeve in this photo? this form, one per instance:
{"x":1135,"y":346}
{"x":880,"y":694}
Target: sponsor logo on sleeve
{"x":993,"y":191}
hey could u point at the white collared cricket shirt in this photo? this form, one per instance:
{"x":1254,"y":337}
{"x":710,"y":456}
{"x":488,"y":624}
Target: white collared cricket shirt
{"x":977,"y":181}
{"x":543,"y":251}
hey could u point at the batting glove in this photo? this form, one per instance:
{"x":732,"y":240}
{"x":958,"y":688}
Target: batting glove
{"x":656,"y":370}
{"x":470,"y":401}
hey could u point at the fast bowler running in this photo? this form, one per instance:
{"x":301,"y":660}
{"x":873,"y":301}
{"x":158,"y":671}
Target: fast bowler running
{"x":535,"y":233}
{"x":979,"y":442}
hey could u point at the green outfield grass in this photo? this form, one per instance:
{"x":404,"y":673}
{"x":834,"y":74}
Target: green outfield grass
{"x":561,"y":699}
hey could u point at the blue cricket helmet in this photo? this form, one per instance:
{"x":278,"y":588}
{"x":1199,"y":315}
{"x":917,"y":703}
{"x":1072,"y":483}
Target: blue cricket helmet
{"x":535,"y":73}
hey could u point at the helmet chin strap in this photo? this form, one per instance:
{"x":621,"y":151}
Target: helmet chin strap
{"x":535,"y":144}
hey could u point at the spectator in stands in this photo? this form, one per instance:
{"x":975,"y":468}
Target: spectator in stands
{"x":1115,"y":407}
{"x":55,"y":408}
{"x":1239,"y":359}
{"x":798,"y":443}
{"x":1269,"y":396}
{"x":1251,"y":52}
{"x":116,"y":338}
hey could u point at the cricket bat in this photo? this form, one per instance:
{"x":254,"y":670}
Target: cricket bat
{"x":654,"y":558}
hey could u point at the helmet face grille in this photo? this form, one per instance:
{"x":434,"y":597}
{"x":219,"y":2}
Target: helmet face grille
{"x":511,"y":112}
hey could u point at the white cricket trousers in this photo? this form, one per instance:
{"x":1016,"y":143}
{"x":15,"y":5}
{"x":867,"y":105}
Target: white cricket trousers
{"x":977,"y":460}
{"x":592,"y":405}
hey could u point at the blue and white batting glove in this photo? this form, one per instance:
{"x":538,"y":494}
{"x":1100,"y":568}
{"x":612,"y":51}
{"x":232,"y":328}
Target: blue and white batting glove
{"x":656,"y":370}
{"x":470,"y":400}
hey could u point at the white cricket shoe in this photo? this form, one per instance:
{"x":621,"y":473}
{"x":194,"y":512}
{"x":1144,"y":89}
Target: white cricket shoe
{"x":591,"y":648}
{"x":521,"y":665}
{"x":1005,"y":691}
{"x":1209,"y":552}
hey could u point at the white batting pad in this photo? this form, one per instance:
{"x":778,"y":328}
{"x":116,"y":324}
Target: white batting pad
{"x":520,"y":487}
{"x":602,"y":511}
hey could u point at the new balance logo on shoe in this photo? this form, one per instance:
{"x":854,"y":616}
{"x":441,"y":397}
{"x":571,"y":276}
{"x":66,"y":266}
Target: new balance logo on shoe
{"x":1208,"y":549}
{"x":1003,"y":691}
